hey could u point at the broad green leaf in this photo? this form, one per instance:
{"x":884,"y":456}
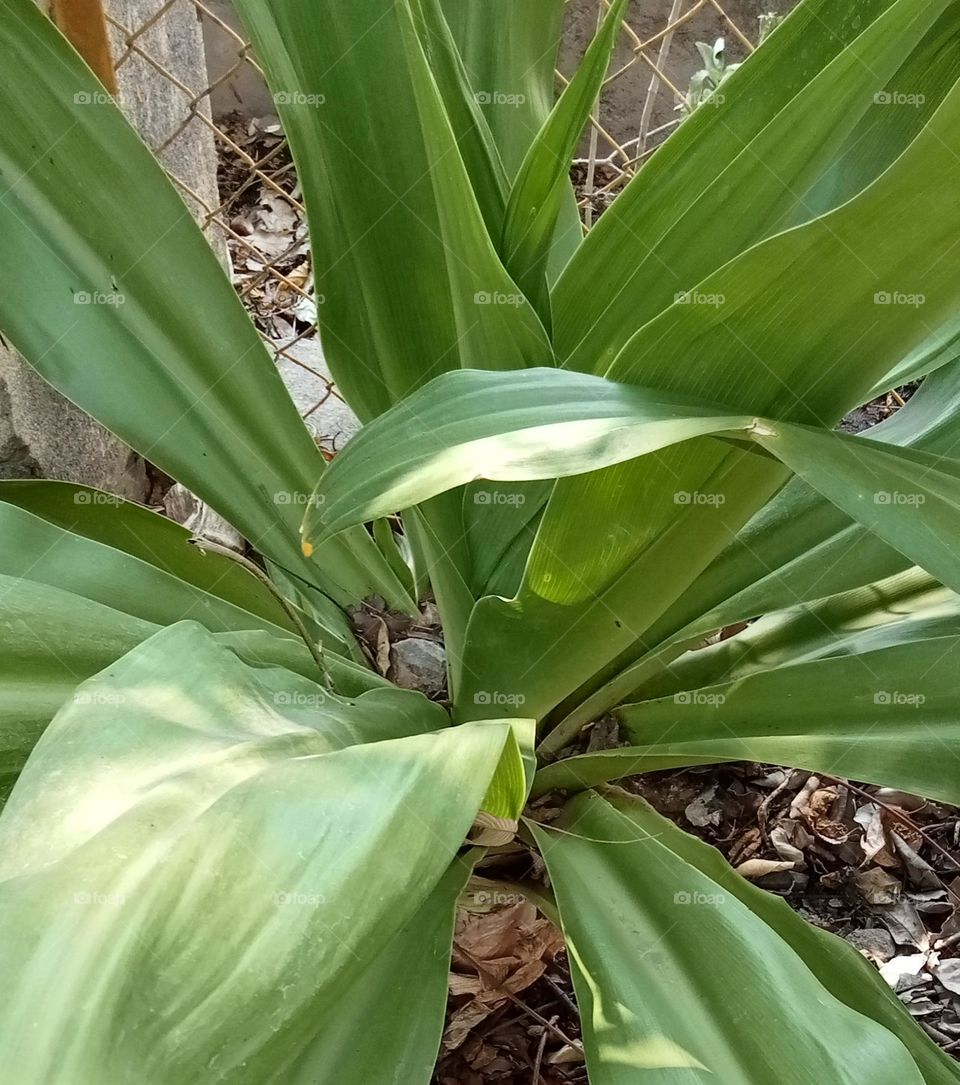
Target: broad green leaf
{"x":646,"y":664}
{"x":440,"y":536}
{"x":325,"y":621}
{"x":549,"y":423}
{"x":475,"y":141}
{"x":509,"y":53}
{"x":752,"y":335}
{"x":894,"y":116}
{"x":886,"y":715}
{"x":391,"y":544}
{"x":158,"y":541}
{"x":51,"y":640}
{"x":121,"y":304}
{"x":508,"y":791}
{"x":501,"y":523}
{"x":939,"y":350}
{"x":783,"y":119}
{"x":753,"y":332}
{"x":760,"y":350}
{"x":901,"y":608}
{"x":585,"y":771}
{"x":223,"y":855}
{"x":773,"y":315}
{"x":384,"y":197}
{"x":517,"y":426}
{"x":412,"y":282}
{"x":721,"y":902}
{"x":120,"y":554}
{"x":543,"y":181}
{"x":656,"y":948}
{"x":799,"y":547}
{"x":417,"y":961}
{"x":883,"y":488}
{"x":561,"y":630}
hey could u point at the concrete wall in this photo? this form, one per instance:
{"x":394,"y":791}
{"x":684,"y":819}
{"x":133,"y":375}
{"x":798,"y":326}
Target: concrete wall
{"x":243,"y":90}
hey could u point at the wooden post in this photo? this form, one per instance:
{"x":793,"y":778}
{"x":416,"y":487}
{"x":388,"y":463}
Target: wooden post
{"x":84,"y":25}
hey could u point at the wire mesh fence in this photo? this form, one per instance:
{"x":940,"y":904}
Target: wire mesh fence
{"x":671,"y":57}
{"x":667,"y":59}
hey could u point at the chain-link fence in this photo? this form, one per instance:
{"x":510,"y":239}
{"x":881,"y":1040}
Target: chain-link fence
{"x":672,"y":55}
{"x":668,"y":58}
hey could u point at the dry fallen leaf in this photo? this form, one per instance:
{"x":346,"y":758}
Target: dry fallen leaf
{"x":757,"y":868}
{"x":496,"y":954}
{"x":919,"y":872}
{"x":949,"y":975}
{"x":702,"y":812}
{"x":567,"y":1055}
{"x":877,"y":886}
{"x":781,"y":838}
{"x":746,"y":846}
{"x":799,"y":804}
{"x":899,"y":967}
{"x":905,"y":925}
{"x":870,"y":818}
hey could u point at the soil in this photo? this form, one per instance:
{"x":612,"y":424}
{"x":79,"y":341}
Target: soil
{"x":522,"y":1037}
{"x":881,"y":408}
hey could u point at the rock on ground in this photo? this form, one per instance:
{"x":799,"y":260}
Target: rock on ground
{"x":418,"y":664}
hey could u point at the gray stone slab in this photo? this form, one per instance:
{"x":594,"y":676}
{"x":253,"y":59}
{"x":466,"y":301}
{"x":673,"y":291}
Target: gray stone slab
{"x":332,"y":423}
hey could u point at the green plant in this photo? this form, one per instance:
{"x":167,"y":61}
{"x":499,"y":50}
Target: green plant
{"x":705,"y":83}
{"x":219,"y":863}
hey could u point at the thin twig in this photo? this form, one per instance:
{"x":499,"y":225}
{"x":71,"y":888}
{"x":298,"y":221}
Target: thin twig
{"x":571,"y":1005}
{"x":765,"y":805}
{"x":591,"y":155}
{"x":539,"y":1060}
{"x":497,"y":986}
{"x":902,"y":817}
{"x":653,"y":90}
{"x":314,"y":647}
